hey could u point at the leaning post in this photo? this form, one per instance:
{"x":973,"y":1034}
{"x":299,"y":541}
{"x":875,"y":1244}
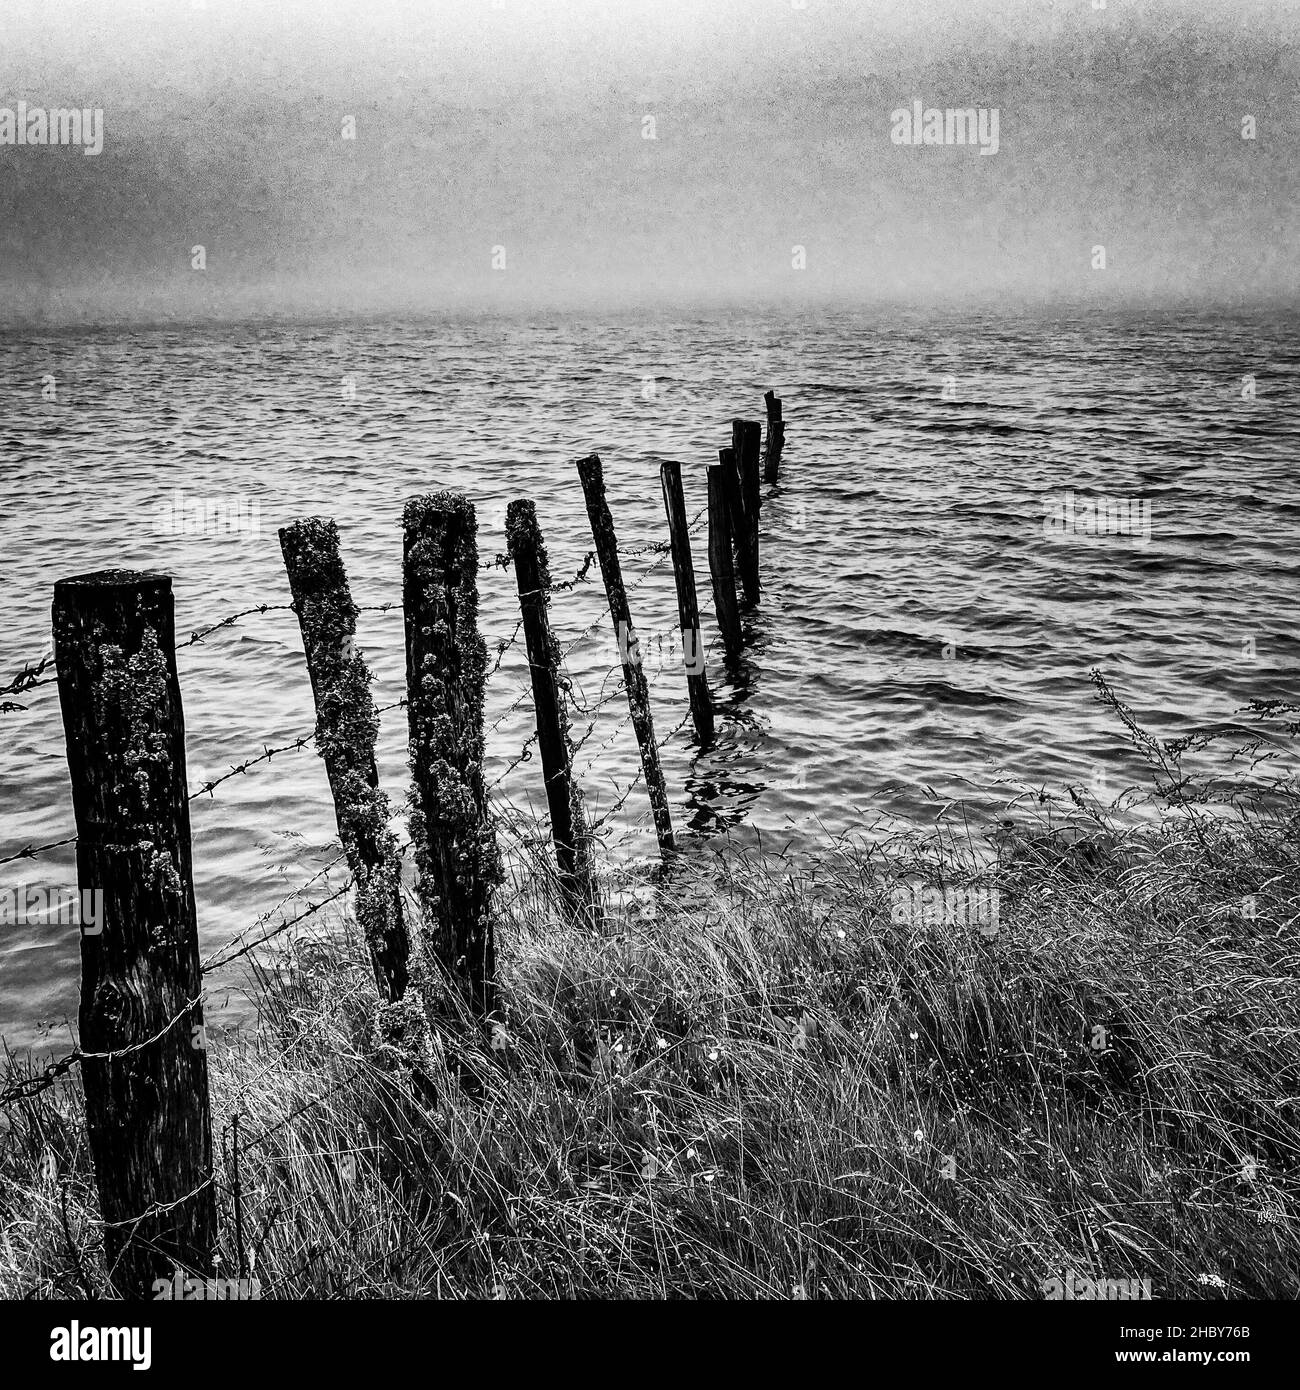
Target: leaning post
{"x":688,"y":610}
{"x":563,"y":796}
{"x":638,"y":690}
{"x":346,"y":725}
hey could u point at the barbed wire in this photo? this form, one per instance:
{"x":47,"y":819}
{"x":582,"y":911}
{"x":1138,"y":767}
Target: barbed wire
{"x":33,"y":1086}
{"x":215,"y":964}
{"x":210,"y":964}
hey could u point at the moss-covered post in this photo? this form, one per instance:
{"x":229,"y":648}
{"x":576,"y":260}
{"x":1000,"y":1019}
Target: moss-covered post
{"x":775,"y":441}
{"x":688,"y":610}
{"x":346,"y":725}
{"x":746,"y":444}
{"x":456,"y":854}
{"x":563,"y":795}
{"x":638,"y":691}
{"x":147,"y":1112}
{"x":721,"y":568}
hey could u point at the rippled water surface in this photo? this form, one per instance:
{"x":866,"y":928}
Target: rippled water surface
{"x":920,"y":637}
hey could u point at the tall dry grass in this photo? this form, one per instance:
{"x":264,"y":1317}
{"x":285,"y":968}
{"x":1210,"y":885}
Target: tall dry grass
{"x":763,"y":1080}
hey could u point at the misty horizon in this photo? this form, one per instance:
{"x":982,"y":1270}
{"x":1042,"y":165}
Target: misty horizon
{"x":567,"y":155}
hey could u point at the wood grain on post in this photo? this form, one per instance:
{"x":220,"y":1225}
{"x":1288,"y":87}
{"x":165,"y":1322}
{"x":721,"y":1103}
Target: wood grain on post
{"x":738,"y":524}
{"x":456,"y":855}
{"x":721,"y":568}
{"x":147,"y":1110}
{"x":563,"y":795}
{"x":688,"y":609}
{"x":775,"y":440}
{"x":638,"y":691}
{"x":346,"y":725}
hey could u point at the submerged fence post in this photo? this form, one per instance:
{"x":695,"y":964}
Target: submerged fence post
{"x":147,"y":1111}
{"x":721,"y":569}
{"x":738,"y":525}
{"x":746,"y":444}
{"x":638,"y":691}
{"x":446,"y":660}
{"x":563,"y":796}
{"x":688,"y":609}
{"x":346,"y":724}
{"x":775,"y":441}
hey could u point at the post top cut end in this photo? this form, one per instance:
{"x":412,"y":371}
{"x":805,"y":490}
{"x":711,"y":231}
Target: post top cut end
{"x":114,"y":580}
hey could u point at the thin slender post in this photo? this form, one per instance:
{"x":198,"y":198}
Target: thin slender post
{"x":721,"y":569}
{"x":456,"y":857}
{"x":638,"y":691}
{"x":346,"y":724}
{"x":148,"y":1118}
{"x":775,"y":441}
{"x":563,"y":795}
{"x":688,"y":610}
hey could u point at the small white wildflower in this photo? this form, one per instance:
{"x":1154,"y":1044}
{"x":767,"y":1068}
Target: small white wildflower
{"x":662,"y":1043}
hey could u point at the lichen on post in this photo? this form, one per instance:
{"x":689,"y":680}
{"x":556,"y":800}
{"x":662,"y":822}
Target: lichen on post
{"x":346,"y":726}
{"x":456,"y":855}
{"x":147,"y":1108}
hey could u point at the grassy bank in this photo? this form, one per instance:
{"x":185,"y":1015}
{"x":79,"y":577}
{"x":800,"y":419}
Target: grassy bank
{"x":771,"y":1081}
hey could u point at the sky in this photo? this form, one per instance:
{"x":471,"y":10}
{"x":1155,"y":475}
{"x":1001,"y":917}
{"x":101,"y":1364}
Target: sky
{"x":500,"y":158}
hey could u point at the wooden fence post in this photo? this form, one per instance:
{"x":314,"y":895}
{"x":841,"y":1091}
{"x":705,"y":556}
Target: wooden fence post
{"x":563,"y":795}
{"x":147,"y":1111}
{"x":775,"y":441}
{"x":688,"y":610}
{"x":746,"y":444}
{"x":446,"y":660}
{"x":738,"y":525}
{"x":638,"y":691}
{"x":721,"y":569}
{"x":346,"y":724}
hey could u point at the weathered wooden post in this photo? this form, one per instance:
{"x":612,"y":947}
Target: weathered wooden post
{"x":638,"y":691}
{"x":346,"y":724}
{"x":738,"y":523}
{"x":721,"y":569}
{"x":746,"y":445}
{"x":141,"y":1019}
{"x":775,"y":441}
{"x":688,"y":610}
{"x":563,"y":795}
{"x":456,"y":855}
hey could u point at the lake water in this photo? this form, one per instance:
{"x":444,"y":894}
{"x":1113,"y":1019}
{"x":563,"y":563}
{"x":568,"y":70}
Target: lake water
{"x":921,"y":638}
